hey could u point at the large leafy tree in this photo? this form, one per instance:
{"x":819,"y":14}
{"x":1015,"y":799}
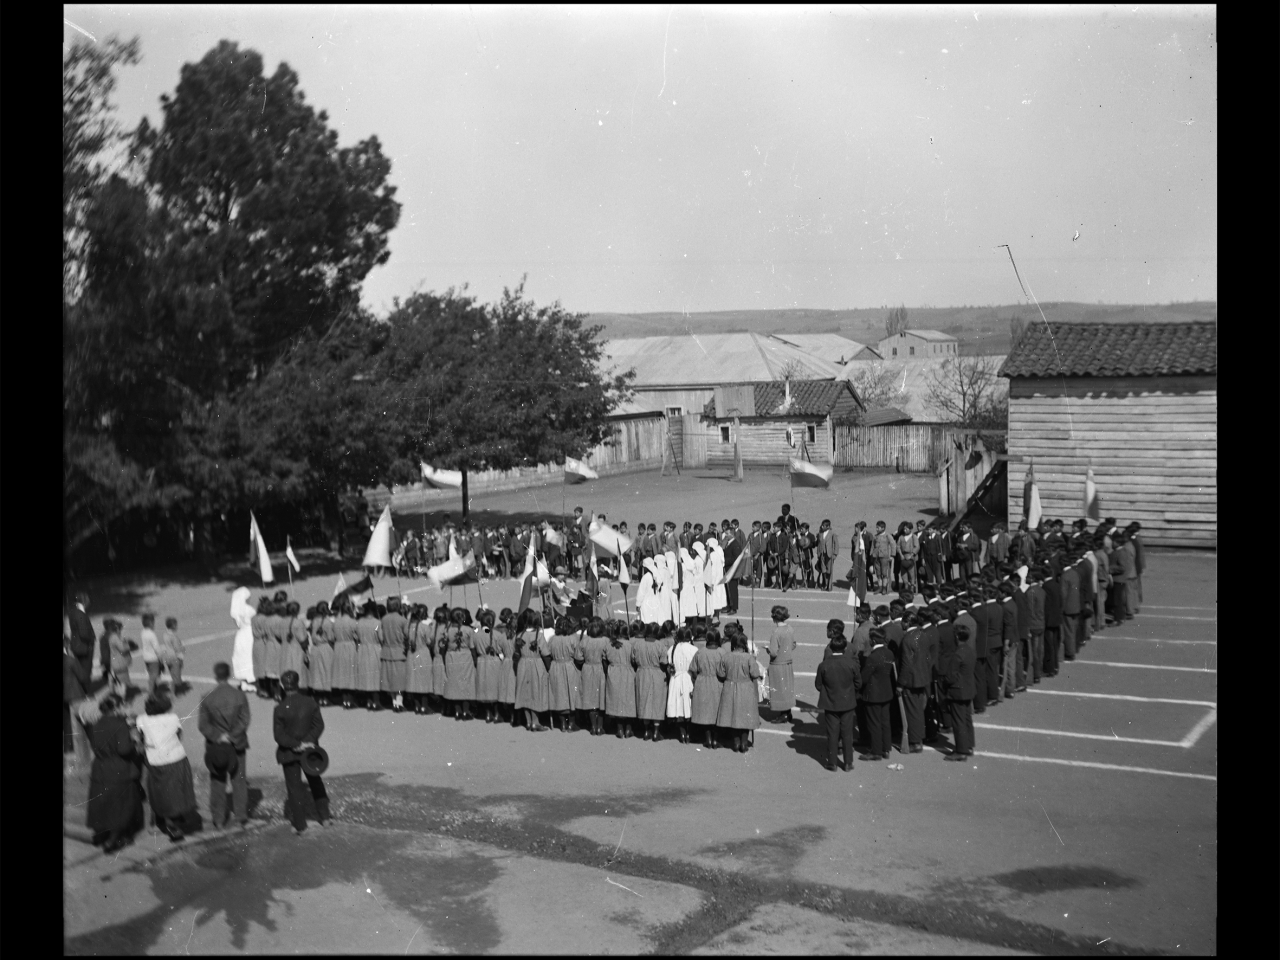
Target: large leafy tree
{"x":256,"y":188}
{"x":510,"y":384}
{"x":240,"y":231}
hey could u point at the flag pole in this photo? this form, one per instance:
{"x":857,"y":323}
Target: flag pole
{"x":287,"y":565}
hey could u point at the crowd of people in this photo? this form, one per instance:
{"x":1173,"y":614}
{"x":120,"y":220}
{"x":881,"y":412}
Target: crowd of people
{"x":994,"y":617}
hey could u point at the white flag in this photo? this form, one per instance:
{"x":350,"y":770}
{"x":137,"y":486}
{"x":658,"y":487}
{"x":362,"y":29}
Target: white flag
{"x":288,"y":552}
{"x":258,"y":550}
{"x":575,"y":471}
{"x":378,"y":553}
{"x":442,"y":479}
{"x":339,"y":586}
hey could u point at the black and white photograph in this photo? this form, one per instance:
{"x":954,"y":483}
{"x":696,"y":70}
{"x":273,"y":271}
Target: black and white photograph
{"x":872,"y":352}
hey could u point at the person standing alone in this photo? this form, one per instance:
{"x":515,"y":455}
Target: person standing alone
{"x":224,"y":724}
{"x":298,"y":726}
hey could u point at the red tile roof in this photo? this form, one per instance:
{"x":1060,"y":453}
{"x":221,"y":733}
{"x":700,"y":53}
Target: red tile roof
{"x":809,"y":398}
{"x":1114,"y":350}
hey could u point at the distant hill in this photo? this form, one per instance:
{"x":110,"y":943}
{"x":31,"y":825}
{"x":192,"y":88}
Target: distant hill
{"x":979,"y":329}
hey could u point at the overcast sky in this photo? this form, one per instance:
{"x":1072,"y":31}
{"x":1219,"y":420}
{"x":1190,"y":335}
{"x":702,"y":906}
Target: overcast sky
{"x":681,"y":158}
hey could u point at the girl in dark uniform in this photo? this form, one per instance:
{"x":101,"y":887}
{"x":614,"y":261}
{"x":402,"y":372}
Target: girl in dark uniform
{"x":258,"y":624}
{"x":532,"y":694}
{"x":344,"y":652}
{"x":418,"y":683}
{"x":707,"y":686}
{"x":488,"y":667}
{"x":562,"y":679}
{"x":620,"y":683}
{"x":592,"y":679}
{"x":320,"y":655}
{"x":439,"y":647}
{"x":651,"y":687}
{"x":460,"y":664}
{"x":505,"y":642}
{"x":294,"y":648}
{"x":368,"y":661}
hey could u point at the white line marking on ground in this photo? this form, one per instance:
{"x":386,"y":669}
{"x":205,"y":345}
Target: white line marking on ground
{"x":1081,"y":736}
{"x":1171,"y":616}
{"x":1152,"y":606}
{"x":1096,"y":766}
{"x":1125,"y":696}
{"x":1145,"y":666}
{"x":196,"y":641}
{"x":1108,"y":636}
{"x":1199,"y":729}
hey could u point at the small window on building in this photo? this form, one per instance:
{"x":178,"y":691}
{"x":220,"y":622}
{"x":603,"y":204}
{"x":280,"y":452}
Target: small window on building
{"x":895,"y":351}
{"x":813,"y":433}
{"x":675,"y":411}
{"x":724,"y":434}
{"x":913,"y":351}
{"x":791,"y":438}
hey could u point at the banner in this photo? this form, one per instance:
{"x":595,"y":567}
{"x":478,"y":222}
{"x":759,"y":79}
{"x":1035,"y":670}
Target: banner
{"x":288,"y":552}
{"x":1031,"y":511}
{"x":575,"y":471}
{"x":742,"y":563}
{"x":378,"y":553}
{"x":258,"y":550}
{"x":806,"y":474}
{"x":610,"y":541}
{"x":442,"y":479}
{"x":1092,"y":509}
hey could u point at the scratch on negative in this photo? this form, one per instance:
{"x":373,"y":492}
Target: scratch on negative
{"x":1051,"y":826}
{"x":664,"y":51}
{"x":410,"y":943}
{"x":628,"y":889}
{"x":80,"y":29}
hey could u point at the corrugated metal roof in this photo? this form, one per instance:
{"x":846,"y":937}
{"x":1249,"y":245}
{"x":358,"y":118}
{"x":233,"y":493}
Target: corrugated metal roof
{"x":1114,"y":350}
{"x":712,"y":359}
{"x":629,"y":408}
{"x":931,"y":335}
{"x":828,"y":346}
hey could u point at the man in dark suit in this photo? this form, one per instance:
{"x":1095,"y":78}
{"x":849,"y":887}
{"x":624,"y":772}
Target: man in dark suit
{"x":943,"y":649}
{"x":1052,"y":621}
{"x":995,"y":644}
{"x":298,"y":725}
{"x":732,"y":550}
{"x":837,"y":683}
{"x":224,"y":724}
{"x":960,"y":690}
{"x":1070,"y":580}
{"x":1011,"y":675}
{"x":828,"y":549}
{"x":83,"y":639}
{"x":977,"y":623}
{"x":914,"y":674}
{"x":877,"y":694}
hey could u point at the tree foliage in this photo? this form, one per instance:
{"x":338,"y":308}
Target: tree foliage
{"x":967,"y":391}
{"x":1017,"y":326}
{"x":896,"y":322}
{"x":89,"y":130}
{"x":493,"y":387}
{"x":878,"y":387}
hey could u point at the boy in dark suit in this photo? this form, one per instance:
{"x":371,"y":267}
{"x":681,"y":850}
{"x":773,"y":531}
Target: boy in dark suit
{"x":837,"y":683}
{"x":298,"y":725}
{"x":877,"y":694}
{"x":960,"y":689}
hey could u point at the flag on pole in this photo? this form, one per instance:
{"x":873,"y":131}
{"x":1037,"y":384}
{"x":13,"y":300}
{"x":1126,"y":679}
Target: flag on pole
{"x":1092,"y":509}
{"x":553,"y":537}
{"x":806,"y":474}
{"x":442,"y":479}
{"x":1031,"y":511}
{"x":743,"y":561}
{"x":258,"y":550}
{"x":575,"y":471}
{"x":526,"y":583}
{"x":339,"y":587}
{"x":362,"y":588}
{"x":452,"y":569}
{"x":610,"y":541}
{"x":288,"y":552}
{"x":378,"y":553}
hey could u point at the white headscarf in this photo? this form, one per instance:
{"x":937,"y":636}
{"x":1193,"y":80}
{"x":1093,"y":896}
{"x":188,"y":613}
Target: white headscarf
{"x":241,"y":610}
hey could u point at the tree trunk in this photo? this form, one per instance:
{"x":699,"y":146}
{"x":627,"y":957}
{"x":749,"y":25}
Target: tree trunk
{"x":465,"y":505}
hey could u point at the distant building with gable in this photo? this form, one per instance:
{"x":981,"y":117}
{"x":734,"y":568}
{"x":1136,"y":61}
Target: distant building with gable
{"x":918,"y":344}
{"x":774,"y":422}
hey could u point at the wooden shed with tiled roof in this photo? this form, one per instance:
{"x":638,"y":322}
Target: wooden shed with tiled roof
{"x":774,"y":422}
{"x":1137,"y":403}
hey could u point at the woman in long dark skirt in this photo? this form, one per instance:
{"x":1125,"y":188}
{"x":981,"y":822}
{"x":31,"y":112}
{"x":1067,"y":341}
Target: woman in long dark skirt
{"x":169,"y":783}
{"x":439,"y":640}
{"x":320,"y":655}
{"x":563,"y":683}
{"x":115,"y":792}
{"x":782,"y":681}
{"x":369,"y":657}
{"x":620,"y":684}
{"x":345,"y":652}
{"x":258,"y":626}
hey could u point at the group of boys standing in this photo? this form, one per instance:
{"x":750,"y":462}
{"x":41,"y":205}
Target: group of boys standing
{"x":987,"y":633}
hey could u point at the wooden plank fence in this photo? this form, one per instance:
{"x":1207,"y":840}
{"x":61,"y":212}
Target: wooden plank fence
{"x":907,"y":448}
